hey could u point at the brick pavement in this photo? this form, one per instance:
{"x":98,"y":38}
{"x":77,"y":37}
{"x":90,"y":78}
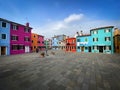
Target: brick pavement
{"x":62,"y":71}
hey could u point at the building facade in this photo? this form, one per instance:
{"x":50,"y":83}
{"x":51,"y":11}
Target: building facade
{"x":117,"y":40}
{"x":37,"y":42}
{"x":84,"y":43}
{"x":4,"y":37}
{"x":20,"y":38}
{"x":41,"y":42}
{"x":102,"y":40}
{"x":71,"y":44}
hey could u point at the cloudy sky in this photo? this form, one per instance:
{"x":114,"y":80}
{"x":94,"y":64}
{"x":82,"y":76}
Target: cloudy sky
{"x":55,"y":17}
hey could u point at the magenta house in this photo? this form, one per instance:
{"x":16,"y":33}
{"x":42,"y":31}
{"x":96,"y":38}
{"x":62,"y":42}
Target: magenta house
{"x":20,"y":38}
{"x":41,"y":42}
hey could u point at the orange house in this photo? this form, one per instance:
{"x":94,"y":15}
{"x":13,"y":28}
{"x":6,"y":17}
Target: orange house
{"x":71,"y":44}
{"x":117,"y":40}
{"x":34,"y":41}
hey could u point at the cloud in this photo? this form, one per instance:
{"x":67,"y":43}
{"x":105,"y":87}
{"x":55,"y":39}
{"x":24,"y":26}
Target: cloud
{"x":73,"y":17}
{"x":72,"y":24}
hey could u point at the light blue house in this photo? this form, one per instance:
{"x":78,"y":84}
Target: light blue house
{"x":56,"y":41}
{"x":102,"y":40}
{"x":4,"y":37}
{"x":84,"y":43}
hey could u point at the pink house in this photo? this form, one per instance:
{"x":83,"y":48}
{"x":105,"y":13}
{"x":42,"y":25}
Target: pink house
{"x":41,"y":42}
{"x":20,"y":38}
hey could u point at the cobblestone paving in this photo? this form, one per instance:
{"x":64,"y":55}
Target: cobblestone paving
{"x":62,"y":71}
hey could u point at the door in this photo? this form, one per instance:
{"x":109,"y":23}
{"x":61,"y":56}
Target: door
{"x":3,"y":50}
{"x":89,"y":49}
{"x":27,"y":49}
{"x":101,"y":49}
{"x":82,"y":48}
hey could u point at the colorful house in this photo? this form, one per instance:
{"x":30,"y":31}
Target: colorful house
{"x":34,"y":44}
{"x":41,"y":42}
{"x":84,"y":43}
{"x":37,"y":42}
{"x":46,"y":44}
{"x":117,"y":40}
{"x":56,"y":40}
{"x":102,"y":40}
{"x":71,"y":44}
{"x":20,"y":38}
{"x":4,"y":37}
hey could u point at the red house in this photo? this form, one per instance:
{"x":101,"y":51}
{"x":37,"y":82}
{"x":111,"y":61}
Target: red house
{"x":71,"y":44}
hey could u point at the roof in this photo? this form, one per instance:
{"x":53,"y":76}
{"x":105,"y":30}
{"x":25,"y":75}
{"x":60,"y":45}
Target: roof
{"x":1,"y":19}
{"x":84,"y":35}
{"x":102,"y":28}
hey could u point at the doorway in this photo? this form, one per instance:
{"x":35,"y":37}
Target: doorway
{"x":89,"y":49}
{"x":3,"y":50}
{"x":82,"y":48}
{"x":101,"y":49}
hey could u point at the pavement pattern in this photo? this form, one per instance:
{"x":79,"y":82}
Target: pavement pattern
{"x":62,"y":71}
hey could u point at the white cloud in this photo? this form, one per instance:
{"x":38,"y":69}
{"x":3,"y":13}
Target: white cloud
{"x":70,"y":26}
{"x":73,"y":17}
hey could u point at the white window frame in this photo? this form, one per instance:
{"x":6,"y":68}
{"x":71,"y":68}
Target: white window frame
{"x":14,"y":27}
{"x":15,"y":39}
{"x":107,"y":30}
{"x":94,"y":32}
{"x":107,"y":48}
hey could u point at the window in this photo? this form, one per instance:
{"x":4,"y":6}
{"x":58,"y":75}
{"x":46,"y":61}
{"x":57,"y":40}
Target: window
{"x":38,"y":41}
{"x":108,"y":48}
{"x":86,"y":39}
{"x":34,"y":36}
{"x":14,"y":27}
{"x":107,"y":30}
{"x":14,"y":38}
{"x":95,"y":47}
{"x":26,"y":39}
{"x":78,"y":47}
{"x":4,"y":24}
{"x":95,"y":39}
{"x":73,"y":41}
{"x":42,"y":42}
{"x":34,"y":47}
{"x":78,"y":40}
{"x":21,"y":47}
{"x":14,"y":47}
{"x":32,"y":41}
{"x":95,"y":32}
{"x":3,"y":36}
{"x":86,"y":48}
{"x":107,"y":38}
{"x":26,"y":29}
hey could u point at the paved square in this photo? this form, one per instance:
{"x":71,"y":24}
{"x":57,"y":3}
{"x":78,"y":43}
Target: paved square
{"x":62,"y":71}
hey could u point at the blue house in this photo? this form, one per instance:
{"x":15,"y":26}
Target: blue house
{"x":56,"y":40}
{"x":84,"y":43}
{"x":102,"y":40}
{"x":4,"y":37}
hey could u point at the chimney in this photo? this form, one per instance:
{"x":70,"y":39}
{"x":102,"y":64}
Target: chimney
{"x":27,"y":24}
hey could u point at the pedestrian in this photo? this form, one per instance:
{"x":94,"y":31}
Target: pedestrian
{"x":37,"y":50}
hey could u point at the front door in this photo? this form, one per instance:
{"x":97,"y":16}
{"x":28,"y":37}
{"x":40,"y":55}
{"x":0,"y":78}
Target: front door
{"x":27,"y":49}
{"x":89,"y":49}
{"x":3,"y":50}
{"x":82,"y":48}
{"x":101,"y":49}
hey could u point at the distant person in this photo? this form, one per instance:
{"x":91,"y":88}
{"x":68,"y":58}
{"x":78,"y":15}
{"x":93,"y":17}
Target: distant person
{"x":37,"y":50}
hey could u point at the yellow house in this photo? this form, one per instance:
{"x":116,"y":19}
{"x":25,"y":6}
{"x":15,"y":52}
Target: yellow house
{"x":117,"y":40}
